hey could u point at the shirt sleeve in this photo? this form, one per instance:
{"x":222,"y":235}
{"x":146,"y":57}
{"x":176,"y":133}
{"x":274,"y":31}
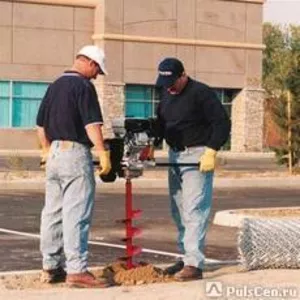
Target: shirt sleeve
{"x":217,"y":118}
{"x":89,"y":107}
{"x":41,"y":112}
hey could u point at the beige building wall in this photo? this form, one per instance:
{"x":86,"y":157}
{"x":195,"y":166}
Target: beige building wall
{"x":176,"y":25}
{"x":219,"y":41}
{"x":39,"y":41}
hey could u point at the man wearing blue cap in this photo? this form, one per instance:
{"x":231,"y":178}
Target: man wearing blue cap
{"x":195,"y":125}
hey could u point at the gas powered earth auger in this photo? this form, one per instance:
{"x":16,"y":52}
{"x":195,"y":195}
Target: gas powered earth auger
{"x":129,"y":152}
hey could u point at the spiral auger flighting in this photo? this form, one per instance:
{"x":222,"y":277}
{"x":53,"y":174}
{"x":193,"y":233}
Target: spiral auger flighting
{"x":131,"y":231}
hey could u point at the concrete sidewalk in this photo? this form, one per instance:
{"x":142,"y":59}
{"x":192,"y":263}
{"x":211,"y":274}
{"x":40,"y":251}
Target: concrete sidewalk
{"x":224,"y":283}
{"x":37,"y":181}
{"x":250,"y":161}
{"x":20,"y":169}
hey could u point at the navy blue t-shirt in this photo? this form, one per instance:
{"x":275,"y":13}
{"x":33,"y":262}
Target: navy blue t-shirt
{"x":69,"y":104}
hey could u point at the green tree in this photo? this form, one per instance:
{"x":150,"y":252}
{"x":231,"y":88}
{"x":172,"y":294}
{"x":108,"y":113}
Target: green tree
{"x":281,"y":73}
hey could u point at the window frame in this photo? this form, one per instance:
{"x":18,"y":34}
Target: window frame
{"x":153,"y":101}
{"x":11,"y":98}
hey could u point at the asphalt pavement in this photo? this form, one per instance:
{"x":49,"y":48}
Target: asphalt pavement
{"x":242,"y":181}
{"x":20,"y":211}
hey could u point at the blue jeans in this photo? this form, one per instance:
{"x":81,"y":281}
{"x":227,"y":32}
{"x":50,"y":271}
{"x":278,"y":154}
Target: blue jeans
{"x":67,"y":213}
{"x":190,"y":193}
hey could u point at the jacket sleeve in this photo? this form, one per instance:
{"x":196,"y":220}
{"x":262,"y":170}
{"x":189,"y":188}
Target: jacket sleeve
{"x":158,"y":127}
{"x":217,"y":118}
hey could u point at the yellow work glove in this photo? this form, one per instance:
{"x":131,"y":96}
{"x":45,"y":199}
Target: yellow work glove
{"x":208,"y":160}
{"x":105,"y":164}
{"x":44,"y":157}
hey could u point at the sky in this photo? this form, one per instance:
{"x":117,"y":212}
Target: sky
{"x":282,"y":11}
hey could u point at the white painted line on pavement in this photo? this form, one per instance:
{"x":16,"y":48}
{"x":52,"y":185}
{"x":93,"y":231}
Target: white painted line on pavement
{"x":145,"y":250}
{"x":19,"y":233}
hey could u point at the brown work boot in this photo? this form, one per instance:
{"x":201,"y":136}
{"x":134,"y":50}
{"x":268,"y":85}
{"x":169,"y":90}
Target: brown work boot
{"x":173,"y":269}
{"x":189,"y":273}
{"x":86,"y":280}
{"x":53,"y":276}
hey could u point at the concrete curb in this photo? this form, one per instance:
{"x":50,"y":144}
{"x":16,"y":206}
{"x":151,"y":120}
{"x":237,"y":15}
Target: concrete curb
{"x":234,"y":217}
{"x":258,"y":181}
{"x":219,"y":182}
{"x":228,"y":218}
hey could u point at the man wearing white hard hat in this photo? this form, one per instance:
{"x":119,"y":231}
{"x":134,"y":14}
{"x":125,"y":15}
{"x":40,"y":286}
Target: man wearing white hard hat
{"x":96,"y":55}
{"x":69,"y":123}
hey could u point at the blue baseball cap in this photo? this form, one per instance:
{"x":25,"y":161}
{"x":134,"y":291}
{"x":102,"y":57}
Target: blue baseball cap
{"x":169,"y":70}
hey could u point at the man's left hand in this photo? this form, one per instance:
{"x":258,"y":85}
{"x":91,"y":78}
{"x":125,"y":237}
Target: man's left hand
{"x":208,"y":160}
{"x":105,"y":163}
{"x":44,"y":157}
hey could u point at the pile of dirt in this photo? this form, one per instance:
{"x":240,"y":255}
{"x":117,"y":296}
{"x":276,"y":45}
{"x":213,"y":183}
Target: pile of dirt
{"x":141,"y":274}
{"x":117,"y":273}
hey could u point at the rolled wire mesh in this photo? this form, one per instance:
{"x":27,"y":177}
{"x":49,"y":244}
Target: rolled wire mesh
{"x":269,"y":244}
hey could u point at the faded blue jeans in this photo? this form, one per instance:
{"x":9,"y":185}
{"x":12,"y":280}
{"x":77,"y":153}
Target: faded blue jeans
{"x":190,"y":193}
{"x":67,"y":213}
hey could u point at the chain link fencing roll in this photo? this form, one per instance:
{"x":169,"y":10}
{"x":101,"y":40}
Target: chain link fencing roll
{"x":269,"y":244}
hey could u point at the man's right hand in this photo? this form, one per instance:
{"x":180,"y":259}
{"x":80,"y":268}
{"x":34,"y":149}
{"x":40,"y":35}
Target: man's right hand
{"x":151,"y":153}
{"x":105,"y":163}
{"x":147,"y":153}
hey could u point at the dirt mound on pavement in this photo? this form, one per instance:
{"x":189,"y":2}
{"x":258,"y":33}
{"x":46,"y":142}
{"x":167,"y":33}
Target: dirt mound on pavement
{"x":117,"y":273}
{"x":142,"y":274}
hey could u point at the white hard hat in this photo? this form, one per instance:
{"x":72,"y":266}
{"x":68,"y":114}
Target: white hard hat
{"x":96,"y":54}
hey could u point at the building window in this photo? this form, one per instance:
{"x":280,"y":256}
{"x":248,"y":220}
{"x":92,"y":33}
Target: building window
{"x":141,"y":101}
{"x":226,"y":96}
{"x":19,"y":103}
